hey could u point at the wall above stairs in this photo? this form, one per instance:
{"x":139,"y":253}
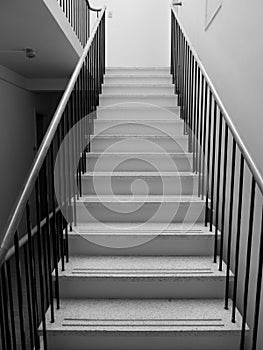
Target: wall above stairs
{"x":231,"y":49}
{"x":138,"y":34}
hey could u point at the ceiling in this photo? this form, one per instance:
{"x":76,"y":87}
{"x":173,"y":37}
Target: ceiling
{"x":29,"y":24}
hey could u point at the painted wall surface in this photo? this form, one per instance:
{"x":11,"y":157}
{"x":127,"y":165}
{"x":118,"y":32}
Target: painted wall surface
{"x":138,"y":33}
{"x":231,"y":49}
{"x":17,"y":125}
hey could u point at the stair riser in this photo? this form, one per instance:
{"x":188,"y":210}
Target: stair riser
{"x":113,"y":287}
{"x":127,"y":185}
{"x":138,"y":212}
{"x":108,"y":89}
{"x":205,"y":340}
{"x":143,"y":163}
{"x":170,"y":101}
{"x":138,"y":80}
{"x":138,"y":71}
{"x":136,"y":128}
{"x":159,"y":245}
{"x":142,"y":144}
{"x":137,"y":114}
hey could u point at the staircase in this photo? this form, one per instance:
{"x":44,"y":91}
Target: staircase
{"x":141,"y":274}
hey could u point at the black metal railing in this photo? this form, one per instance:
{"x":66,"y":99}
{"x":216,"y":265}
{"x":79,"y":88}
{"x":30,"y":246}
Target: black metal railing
{"x":226,"y":173}
{"x":34,"y":245}
{"x":78,"y":13}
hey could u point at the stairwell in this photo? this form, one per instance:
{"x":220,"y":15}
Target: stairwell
{"x":141,"y":272}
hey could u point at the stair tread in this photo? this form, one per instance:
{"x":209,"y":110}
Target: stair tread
{"x":133,"y":75}
{"x":141,"y":198}
{"x":139,"y":68}
{"x":140,"y":315}
{"x":143,"y":267}
{"x":139,"y":174}
{"x":147,"y":228}
{"x":135,"y":105}
{"x":138,"y":121}
{"x":131,"y":136}
{"x":168,"y":154}
{"x":137,"y":85}
{"x":139,"y":95}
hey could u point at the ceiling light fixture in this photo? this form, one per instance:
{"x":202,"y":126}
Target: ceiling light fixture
{"x":29,"y":52}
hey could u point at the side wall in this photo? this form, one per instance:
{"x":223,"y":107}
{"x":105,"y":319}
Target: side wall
{"x":17,"y":142}
{"x":231,"y":49}
{"x":138,"y":32}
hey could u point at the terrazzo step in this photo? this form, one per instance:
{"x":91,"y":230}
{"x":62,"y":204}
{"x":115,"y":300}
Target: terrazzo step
{"x":114,"y":78}
{"x":135,"y":161}
{"x":141,"y":239}
{"x":153,"y":99}
{"x":142,"y":277}
{"x":136,"y":208}
{"x":139,"y":143}
{"x":101,"y":324}
{"x":135,"y":111}
{"x":137,"y":88}
{"x":138,"y":70}
{"x":127,"y":183}
{"x":139,"y":127}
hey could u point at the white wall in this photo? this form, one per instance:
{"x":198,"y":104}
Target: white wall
{"x":17,"y":141}
{"x":139,"y":32}
{"x":232,"y":52}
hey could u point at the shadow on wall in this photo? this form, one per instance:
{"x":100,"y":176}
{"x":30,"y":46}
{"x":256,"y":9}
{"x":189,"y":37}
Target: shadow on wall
{"x":17,"y":142}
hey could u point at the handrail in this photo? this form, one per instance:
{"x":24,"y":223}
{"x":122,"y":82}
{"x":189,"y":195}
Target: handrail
{"x":251,"y":164}
{"x":92,"y":8}
{"x":20,"y":204}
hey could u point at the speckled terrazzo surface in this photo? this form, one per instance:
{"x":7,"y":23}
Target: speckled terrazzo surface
{"x":143,"y":315}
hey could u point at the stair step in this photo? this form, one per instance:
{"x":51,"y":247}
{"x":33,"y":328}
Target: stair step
{"x":138,"y":88}
{"x":138,"y":70}
{"x":127,"y":183}
{"x":131,"y":111}
{"x":114,"y":78}
{"x":134,"y":161}
{"x":135,"y":208}
{"x":142,"y":277}
{"x":139,"y":127}
{"x":143,"y":324}
{"x":139,"y":143}
{"x":141,"y":239}
{"x":143,"y":99}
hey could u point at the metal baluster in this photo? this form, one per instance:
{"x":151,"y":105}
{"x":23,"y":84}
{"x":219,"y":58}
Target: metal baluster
{"x":54,"y":226}
{"x":32,"y":273}
{"x":229,"y":241}
{"x":40,"y":266}
{"x":201,"y":134}
{"x":190,"y":138}
{"x":223,"y":200}
{"x":5,"y":307}
{"x":29,"y":299}
{"x":194,"y":116}
{"x":47,"y":243}
{"x":258,"y":292}
{"x":248,"y":263}
{"x":208,"y":158}
{"x":218,"y":184}
{"x":197,"y":121}
{"x":19,"y":294}
{"x":213,"y":166}
{"x":204,"y":141}
{"x":11,"y":305}
{"x":2,"y":322}
{"x":239,"y":213}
